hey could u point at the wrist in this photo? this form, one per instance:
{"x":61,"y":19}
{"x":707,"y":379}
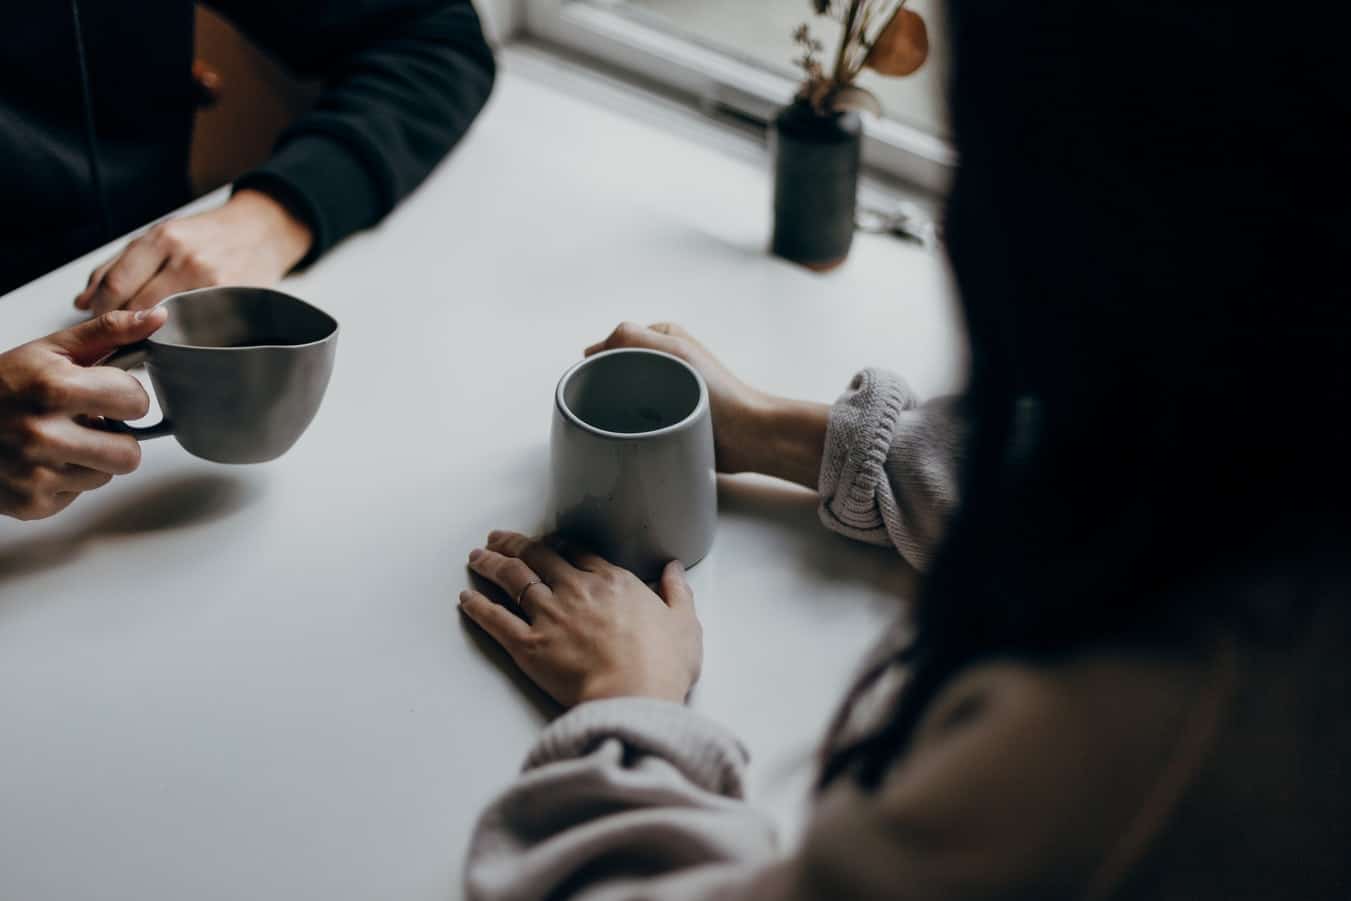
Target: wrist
{"x":287,"y":237}
{"x":790,"y":439}
{"x":610,"y":687}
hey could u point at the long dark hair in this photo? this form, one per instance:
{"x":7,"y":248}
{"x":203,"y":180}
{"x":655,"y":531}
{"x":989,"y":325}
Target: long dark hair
{"x":1151,"y":228}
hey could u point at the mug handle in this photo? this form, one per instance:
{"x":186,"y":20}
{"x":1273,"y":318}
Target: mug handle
{"x":127,"y":358}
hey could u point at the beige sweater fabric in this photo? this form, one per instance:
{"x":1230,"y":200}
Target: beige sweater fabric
{"x":1084,"y":779}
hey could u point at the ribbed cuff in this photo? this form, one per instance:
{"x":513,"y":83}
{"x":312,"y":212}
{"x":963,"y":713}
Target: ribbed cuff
{"x":706,"y":753}
{"x":321,"y":181}
{"x":858,"y":439}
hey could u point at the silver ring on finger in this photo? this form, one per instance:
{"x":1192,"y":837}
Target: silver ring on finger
{"x":520,"y":595}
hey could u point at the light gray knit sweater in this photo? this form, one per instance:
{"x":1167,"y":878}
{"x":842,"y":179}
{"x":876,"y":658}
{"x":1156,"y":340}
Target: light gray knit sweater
{"x":1108,"y":773}
{"x":641,"y":798}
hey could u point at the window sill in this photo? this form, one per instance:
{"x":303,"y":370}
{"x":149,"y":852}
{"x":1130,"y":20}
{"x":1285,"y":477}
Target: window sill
{"x":674,"y":111}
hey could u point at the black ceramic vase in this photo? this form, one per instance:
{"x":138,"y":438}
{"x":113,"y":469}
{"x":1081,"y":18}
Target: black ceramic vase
{"x":816,"y":166}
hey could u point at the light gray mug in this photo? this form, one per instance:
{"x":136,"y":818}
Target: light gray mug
{"x":239,"y":372}
{"x":633,"y":468}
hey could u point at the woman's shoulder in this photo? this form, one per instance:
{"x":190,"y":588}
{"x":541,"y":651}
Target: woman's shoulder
{"x":1215,"y":772}
{"x":1032,"y":775}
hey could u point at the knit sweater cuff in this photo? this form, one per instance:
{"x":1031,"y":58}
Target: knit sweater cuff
{"x":321,"y":181}
{"x":858,"y":439}
{"x":703,"y":751}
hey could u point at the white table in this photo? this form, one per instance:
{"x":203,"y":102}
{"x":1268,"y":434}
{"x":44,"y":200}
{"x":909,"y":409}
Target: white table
{"x":253,"y":682}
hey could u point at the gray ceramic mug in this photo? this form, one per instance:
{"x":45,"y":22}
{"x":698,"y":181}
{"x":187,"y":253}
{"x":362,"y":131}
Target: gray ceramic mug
{"x":239,"y":372}
{"x":633,"y":468}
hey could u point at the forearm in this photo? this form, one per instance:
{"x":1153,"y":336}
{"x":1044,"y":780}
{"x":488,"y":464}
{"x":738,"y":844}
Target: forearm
{"x":786,"y":438}
{"x":403,"y":80}
{"x":281,"y":234}
{"x":884,"y":464}
{"x":627,"y":797}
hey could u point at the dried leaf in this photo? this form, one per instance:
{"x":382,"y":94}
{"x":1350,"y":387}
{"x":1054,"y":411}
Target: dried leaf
{"x":853,"y":97}
{"x":902,"y":47}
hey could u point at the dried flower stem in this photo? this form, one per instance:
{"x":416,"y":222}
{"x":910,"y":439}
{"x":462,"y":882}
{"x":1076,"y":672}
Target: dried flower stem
{"x":864,"y":22}
{"x":846,"y":40}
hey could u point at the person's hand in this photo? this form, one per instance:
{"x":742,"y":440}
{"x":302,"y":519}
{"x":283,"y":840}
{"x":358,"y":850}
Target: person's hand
{"x":48,"y":389}
{"x":737,"y":408}
{"x":752,"y":431}
{"x":591,"y":630}
{"x":251,"y":240}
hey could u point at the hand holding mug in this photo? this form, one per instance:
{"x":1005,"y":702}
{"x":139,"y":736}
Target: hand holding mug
{"x":736,"y":406}
{"x":752,"y":431}
{"x":239,"y":372}
{"x":590,"y":630}
{"x":50,"y":389}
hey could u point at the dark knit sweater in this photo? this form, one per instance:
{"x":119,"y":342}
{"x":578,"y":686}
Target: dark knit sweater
{"x":403,"y":79}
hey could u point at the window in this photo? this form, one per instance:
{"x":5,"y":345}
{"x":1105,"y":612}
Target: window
{"x":737,"y":55}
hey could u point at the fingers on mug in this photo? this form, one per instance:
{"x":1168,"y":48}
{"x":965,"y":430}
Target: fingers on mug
{"x":126,"y":358}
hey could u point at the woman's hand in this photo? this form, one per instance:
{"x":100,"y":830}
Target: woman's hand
{"x":752,"y":431}
{"x":48,"y":456}
{"x":251,"y":240}
{"x":591,"y":630}
{"x":737,"y":408}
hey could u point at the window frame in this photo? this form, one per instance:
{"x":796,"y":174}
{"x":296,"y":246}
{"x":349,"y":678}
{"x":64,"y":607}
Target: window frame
{"x":718,"y":81}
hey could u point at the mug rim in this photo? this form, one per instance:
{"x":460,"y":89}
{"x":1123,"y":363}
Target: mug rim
{"x":333,"y":333}
{"x":700,"y":406}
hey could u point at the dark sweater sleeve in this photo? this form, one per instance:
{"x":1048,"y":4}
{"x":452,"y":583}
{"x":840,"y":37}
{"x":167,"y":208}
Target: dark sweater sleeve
{"x":402,"y":81}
